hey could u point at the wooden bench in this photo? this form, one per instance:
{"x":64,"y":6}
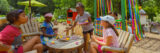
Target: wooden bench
{"x":125,"y":41}
{"x":30,"y":29}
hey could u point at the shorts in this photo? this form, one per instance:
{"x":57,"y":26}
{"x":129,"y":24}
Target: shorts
{"x":90,"y":31}
{"x":100,"y":51}
{"x":99,"y":48}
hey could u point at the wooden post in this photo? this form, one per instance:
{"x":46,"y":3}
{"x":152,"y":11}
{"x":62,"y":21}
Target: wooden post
{"x":30,"y":9}
{"x":67,"y":32}
{"x":73,"y":28}
{"x":123,"y":11}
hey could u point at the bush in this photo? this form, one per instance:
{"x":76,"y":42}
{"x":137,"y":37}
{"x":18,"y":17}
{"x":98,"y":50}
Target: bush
{"x":157,"y":18}
{"x":2,"y":15}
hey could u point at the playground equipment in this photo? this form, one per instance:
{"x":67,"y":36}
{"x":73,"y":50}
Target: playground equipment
{"x":135,"y":16}
{"x":102,"y":7}
{"x":118,"y":24}
{"x":71,"y":15}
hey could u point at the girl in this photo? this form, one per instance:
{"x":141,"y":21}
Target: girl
{"x":10,"y":35}
{"x":83,"y":19}
{"x":110,"y":35}
{"x":47,"y":29}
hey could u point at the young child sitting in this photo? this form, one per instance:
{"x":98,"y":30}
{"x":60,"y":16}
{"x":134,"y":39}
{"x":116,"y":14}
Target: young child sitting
{"x":47,"y":29}
{"x":110,"y":36}
{"x":10,"y":35}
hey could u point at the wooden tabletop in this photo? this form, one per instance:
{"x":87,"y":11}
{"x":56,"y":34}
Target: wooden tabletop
{"x":71,"y":44}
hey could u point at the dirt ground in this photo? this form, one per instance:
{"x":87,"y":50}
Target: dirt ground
{"x":150,"y":44}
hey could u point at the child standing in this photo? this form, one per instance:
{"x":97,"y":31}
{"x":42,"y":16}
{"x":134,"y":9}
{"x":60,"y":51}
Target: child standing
{"x":84,"y":19}
{"x":110,"y":35}
{"x":10,"y":35}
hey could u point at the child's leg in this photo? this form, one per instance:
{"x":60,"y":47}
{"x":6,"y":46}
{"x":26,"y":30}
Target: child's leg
{"x":39,"y":48}
{"x":91,"y":33}
{"x":93,"y":47}
{"x":31,"y":43}
{"x":85,"y":42}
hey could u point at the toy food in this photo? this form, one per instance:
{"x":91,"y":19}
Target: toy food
{"x":52,"y":42}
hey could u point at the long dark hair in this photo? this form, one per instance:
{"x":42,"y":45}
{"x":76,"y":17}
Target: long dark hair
{"x":111,"y":26}
{"x":11,"y":18}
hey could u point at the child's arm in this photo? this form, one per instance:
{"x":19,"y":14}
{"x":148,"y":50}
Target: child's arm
{"x":109,"y":40}
{"x":72,"y":26}
{"x":90,"y":20}
{"x":97,"y":41}
{"x":44,"y":32}
{"x":107,"y":43}
{"x":99,"y":38}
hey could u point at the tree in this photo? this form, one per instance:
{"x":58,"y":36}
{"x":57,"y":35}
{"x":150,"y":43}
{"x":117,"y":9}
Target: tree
{"x":151,"y":7}
{"x":14,"y":4}
{"x":4,"y":7}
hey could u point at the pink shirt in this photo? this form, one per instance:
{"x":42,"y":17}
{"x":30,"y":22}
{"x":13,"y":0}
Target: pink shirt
{"x":110,"y":32}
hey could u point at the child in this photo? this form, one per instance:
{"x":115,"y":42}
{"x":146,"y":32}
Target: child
{"x":47,"y":29}
{"x":110,"y":36}
{"x":10,"y":35}
{"x":84,"y":19}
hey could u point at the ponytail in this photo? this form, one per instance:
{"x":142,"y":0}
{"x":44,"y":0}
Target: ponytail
{"x":115,"y":30}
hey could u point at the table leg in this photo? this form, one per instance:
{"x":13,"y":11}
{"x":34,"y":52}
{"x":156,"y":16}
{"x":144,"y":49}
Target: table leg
{"x":65,"y":51}
{"x":50,"y":50}
{"x":79,"y":50}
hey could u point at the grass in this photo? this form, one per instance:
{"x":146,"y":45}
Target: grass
{"x":2,"y":15}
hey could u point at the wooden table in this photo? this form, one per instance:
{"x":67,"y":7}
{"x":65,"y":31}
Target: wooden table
{"x":72,"y":44}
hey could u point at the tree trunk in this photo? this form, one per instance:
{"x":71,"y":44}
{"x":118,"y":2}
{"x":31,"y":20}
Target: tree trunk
{"x":30,"y":9}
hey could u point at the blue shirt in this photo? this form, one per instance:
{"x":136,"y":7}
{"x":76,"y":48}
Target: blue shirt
{"x":49,"y":31}
{"x":48,"y":27}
